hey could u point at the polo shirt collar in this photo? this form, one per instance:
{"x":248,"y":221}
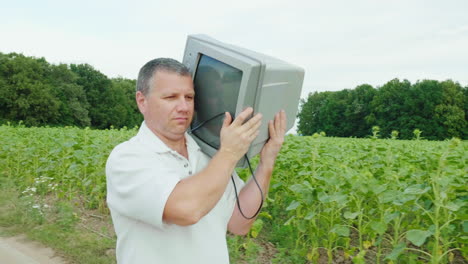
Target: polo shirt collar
{"x":192,"y":145}
{"x":156,"y":144}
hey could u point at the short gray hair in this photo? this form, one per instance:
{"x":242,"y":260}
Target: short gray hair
{"x":147,"y":72}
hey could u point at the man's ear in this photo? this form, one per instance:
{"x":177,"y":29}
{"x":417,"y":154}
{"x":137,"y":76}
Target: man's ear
{"x":141,"y":101}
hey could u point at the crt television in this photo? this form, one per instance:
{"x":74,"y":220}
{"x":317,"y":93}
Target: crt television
{"x":228,"y":78}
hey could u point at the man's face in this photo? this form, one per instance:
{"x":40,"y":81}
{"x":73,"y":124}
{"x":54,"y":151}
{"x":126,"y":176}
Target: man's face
{"x":168,"y":107}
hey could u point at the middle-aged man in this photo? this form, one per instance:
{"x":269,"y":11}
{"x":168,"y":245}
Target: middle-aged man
{"x":171,"y":203}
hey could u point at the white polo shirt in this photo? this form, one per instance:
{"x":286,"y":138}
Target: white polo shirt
{"x":141,"y":174}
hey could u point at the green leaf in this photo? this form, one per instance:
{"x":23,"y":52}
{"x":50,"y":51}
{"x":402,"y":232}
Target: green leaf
{"x":301,"y":188}
{"x":455,"y":206}
{"x":266,"y":215}
{"x":389,"y":196}
{"x":443,"y":195}
{"x":349,"y":215}
{"x":417,"y":189}
{"x":293,"y":205}
{"x":307,"y":184}
{"x":417,"y":237}
{"x":341,"y":230}
{"x":379,"y":188}
{"x":397,"y":250}
{"x":256,"y":228}
{"x":254,"y":233}
{"x":340,"y":199}
{"x":378,"y":227}
{"x":290,"y":220}
{"x":310,"y":215}
{"x":390,"y":217}
{"x":302,"y":226}
{"x":403,"y":198}
{"x":359,"y":258}
{"x":296,"y":188}
{"x":276,"y":185}
{"x":323,"y":197}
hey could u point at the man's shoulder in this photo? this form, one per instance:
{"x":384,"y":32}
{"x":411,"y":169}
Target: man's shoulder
{"x":128,"y":156}
{"x":131,"y":147}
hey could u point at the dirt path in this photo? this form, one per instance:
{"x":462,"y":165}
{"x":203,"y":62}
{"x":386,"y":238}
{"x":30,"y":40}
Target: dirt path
{"x":19,"y":250}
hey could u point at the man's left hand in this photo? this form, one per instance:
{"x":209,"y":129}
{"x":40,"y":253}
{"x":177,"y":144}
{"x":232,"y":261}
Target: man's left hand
{"x":277,"y":129}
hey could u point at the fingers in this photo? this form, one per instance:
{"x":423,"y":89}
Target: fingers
{"x":227,"y":119}
{"x":253,"y":123}
{"x":277,"y":126}
{"x":237,"y":136}
{"x":282,"y":122}
{"x":243,"y":116}
{"x":250,"y":126}
{"x":277,"y":129}
{"x":255,"y":128}
{"x":271,"y":129}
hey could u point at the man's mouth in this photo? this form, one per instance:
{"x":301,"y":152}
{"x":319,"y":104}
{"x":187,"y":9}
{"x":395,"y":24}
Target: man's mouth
{"x":181,"y":119}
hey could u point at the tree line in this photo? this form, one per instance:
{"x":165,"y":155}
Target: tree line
{"x":37,"y":93}
{"x":437,"y":109}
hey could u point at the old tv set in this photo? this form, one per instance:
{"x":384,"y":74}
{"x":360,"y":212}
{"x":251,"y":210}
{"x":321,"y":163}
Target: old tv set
{"x":228,"y":78}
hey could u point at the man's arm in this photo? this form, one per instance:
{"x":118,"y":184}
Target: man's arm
{"x":193,"y":197}
{"x":249,"y":196}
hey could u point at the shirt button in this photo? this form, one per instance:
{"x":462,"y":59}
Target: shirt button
{"x":185,"y":165}
{"x":190,"y":172}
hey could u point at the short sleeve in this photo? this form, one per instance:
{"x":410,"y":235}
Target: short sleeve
{"x":138,"y":184}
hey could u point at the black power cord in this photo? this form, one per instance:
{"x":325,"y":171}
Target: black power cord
{"x":259,"y":188}
{"x":232,"y":177}
{"x":206,"y":121}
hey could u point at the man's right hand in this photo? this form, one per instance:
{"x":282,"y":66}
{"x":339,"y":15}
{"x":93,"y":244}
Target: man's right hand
{"x":237,"y":136}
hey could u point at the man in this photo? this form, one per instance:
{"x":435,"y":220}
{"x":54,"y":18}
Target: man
{"x":169,"y":202}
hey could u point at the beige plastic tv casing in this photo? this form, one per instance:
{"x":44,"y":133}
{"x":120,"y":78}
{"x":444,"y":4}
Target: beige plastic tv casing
{"x":268,"y":84}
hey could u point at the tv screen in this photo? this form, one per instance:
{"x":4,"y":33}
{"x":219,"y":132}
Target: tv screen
{"x":216,"y":91}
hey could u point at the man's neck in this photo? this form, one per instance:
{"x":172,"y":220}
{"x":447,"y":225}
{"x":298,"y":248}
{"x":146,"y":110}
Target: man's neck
{"x":177,"y":144}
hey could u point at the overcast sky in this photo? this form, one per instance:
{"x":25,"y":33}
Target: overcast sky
{"x":340,"y":44}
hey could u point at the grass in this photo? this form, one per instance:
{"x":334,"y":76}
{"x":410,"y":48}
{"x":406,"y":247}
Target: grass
{"x":61,"y":226}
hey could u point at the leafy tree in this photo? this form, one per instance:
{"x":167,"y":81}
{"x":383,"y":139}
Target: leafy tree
{"x":311,"y":114}
{"x":24,"y":93}
{"x":125,"y":91}
{"x":39,"y":93}
{"x":333,"y":114}
{"x":98,"y":89}
{"x":421,"y":104}
{"x":465,"y":107}
{"x":450,"y":113}
{"x":389,"y":110}
{"x":73,"y":102}
{"x":438,"y":110}
{"x":358,"y":108}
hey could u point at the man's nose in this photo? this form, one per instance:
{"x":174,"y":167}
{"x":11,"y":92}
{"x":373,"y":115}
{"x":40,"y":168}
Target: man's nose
{"x":183,"y":105}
